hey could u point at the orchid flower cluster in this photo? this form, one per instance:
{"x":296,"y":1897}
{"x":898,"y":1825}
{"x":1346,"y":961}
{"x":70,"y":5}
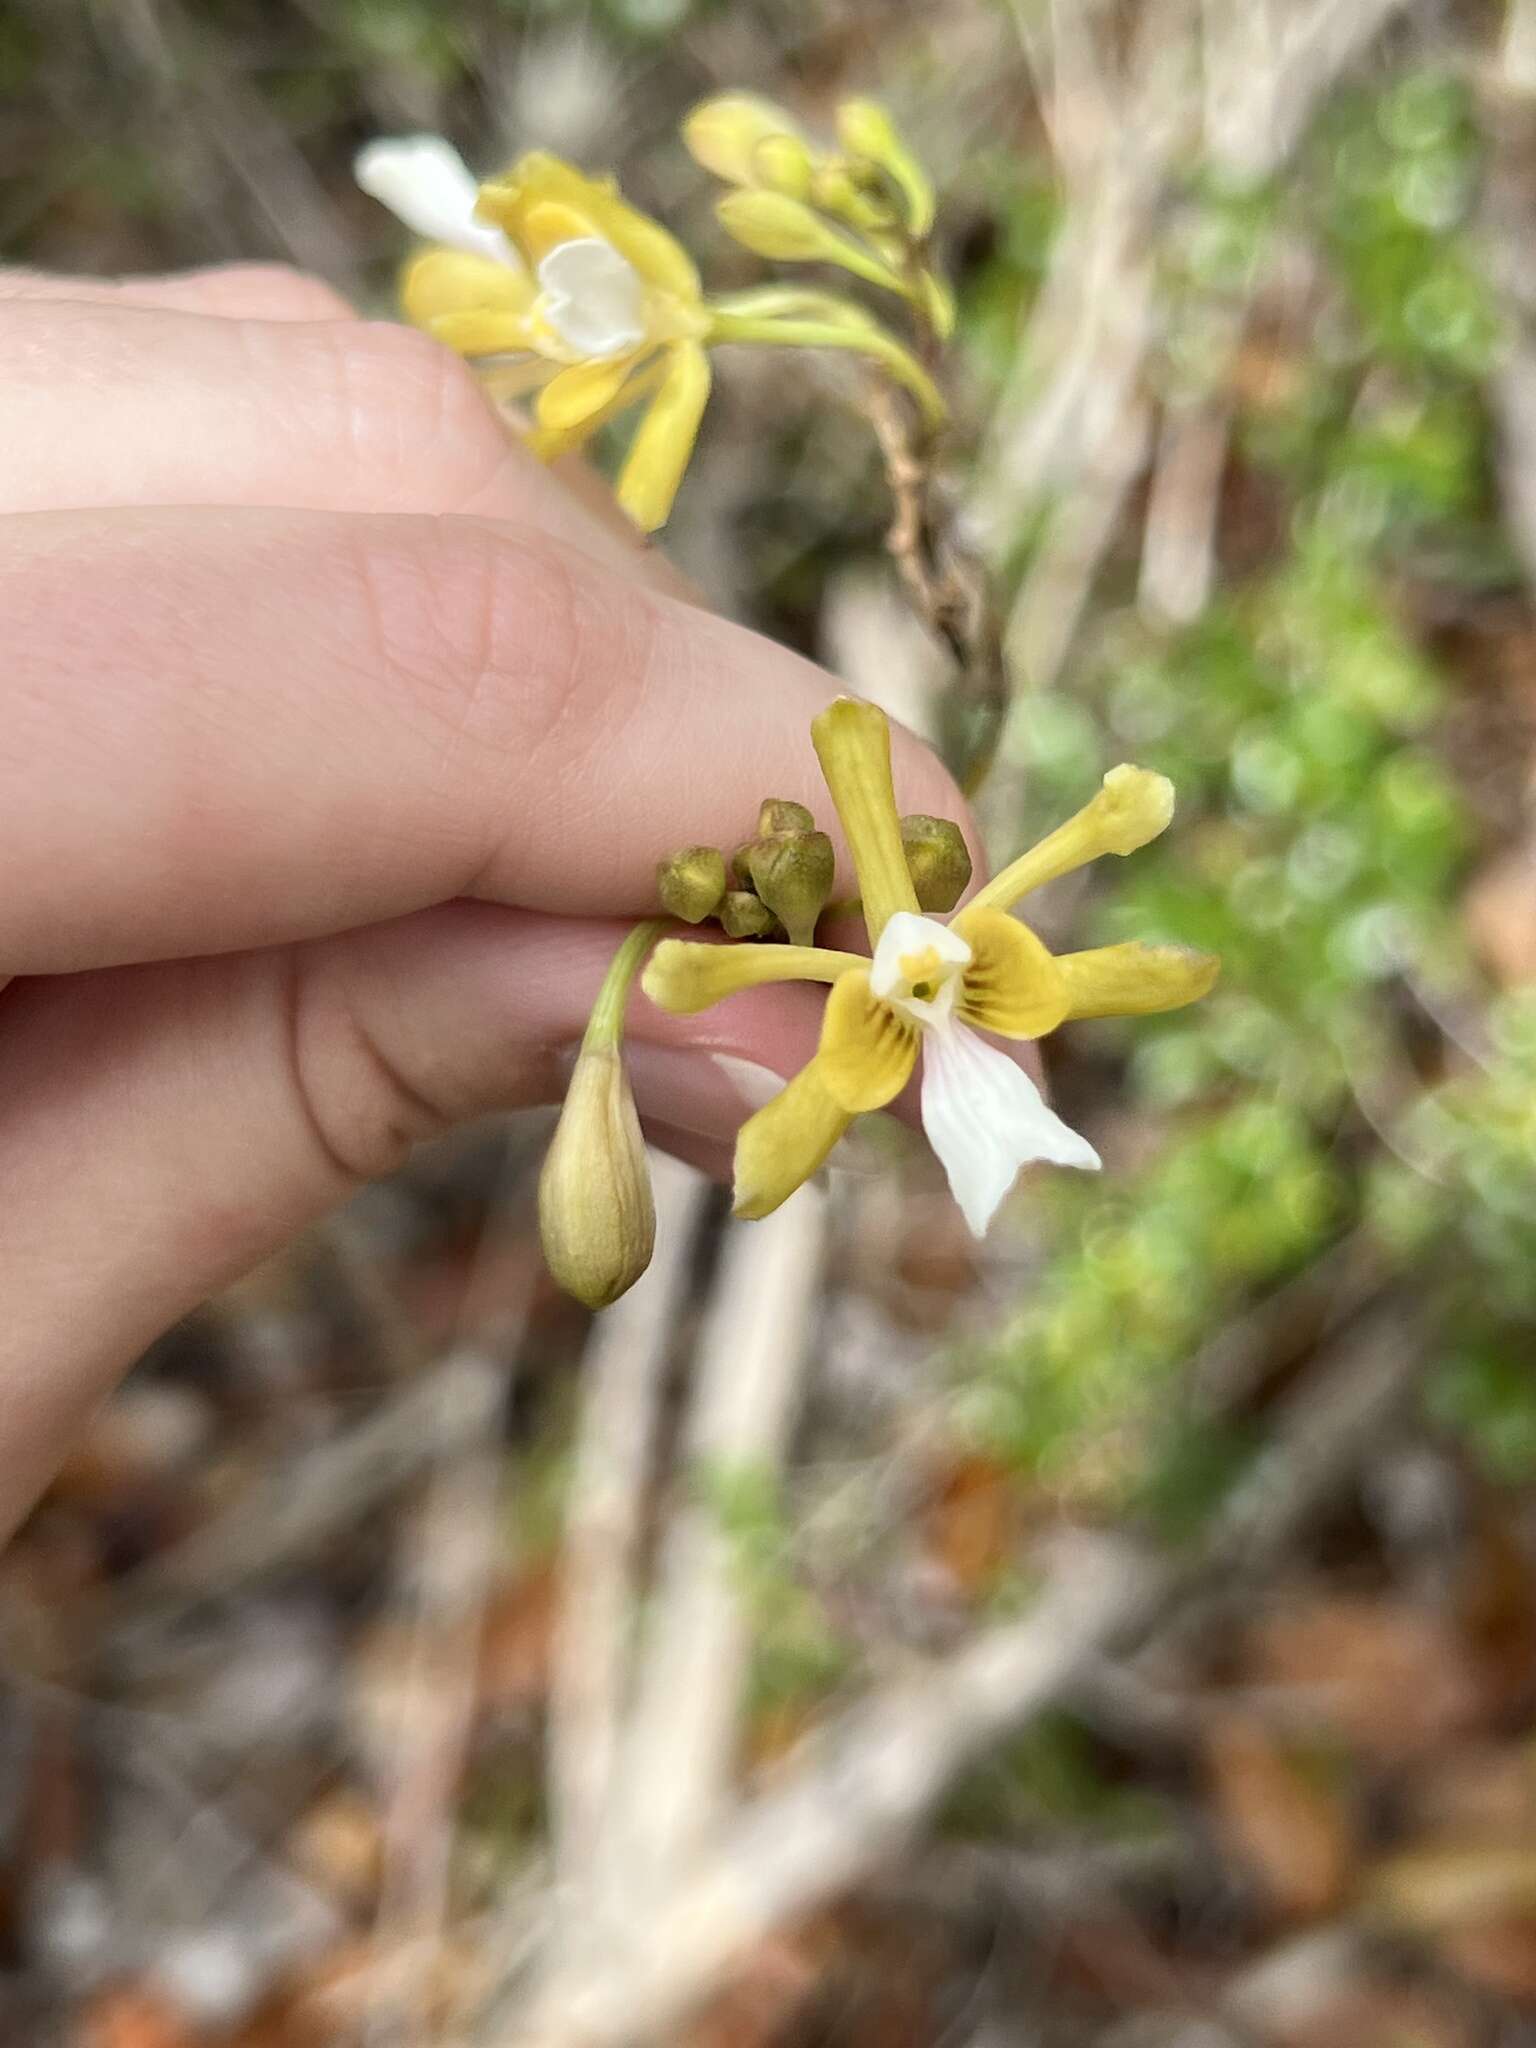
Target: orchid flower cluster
{"x":932,"y":990}
{"x":564,"y":294}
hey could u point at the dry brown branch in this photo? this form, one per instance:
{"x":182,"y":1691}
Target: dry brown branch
{"x":623,"y":1376}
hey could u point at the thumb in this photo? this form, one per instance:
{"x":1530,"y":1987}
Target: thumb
{"x":169,"y":1125}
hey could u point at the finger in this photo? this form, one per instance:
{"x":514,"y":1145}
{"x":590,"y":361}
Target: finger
{"x":234,"y":291}
{"x":105,"y":404}
{"x":230,"y":728}
{"x":167,"y":1126}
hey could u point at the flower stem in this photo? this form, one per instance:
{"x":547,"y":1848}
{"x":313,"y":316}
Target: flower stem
{"x":868,"y":341}
{"x":605,"y":1026}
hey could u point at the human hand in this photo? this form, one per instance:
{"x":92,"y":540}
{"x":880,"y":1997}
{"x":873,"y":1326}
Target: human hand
{"x":339,"y":740}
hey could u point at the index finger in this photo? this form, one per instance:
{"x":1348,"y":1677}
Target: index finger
{"x":228,"y":728}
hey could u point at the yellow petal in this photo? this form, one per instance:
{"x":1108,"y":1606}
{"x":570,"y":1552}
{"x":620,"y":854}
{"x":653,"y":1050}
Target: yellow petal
{"x":453,"y":281}
{"x":1011,"y":984}
{"x":1133,"y":806}
{"x":1135,"y":980}
{"x":550,"y":443}
{"x":853,"y":744}
{"x":685,"y":976}
{"x":868,"y":1050}
{"x":664,"y":440}
{"x":783,"y":1145}
{"x":543,"y":180}
{"x":585,"y":388}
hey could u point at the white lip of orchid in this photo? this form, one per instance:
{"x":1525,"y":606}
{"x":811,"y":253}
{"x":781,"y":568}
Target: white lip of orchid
{"x":984,"y":1117}
{"x":593,"y":300}
{"x":918,"y":953}
{"x":426,"y":184}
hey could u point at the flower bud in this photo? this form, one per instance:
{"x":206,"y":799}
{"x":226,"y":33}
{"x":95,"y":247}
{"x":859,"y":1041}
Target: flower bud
{"x":866,"y":130}
{"x":782,"y":163}
{"x":691,"y":883}
{"x":745,"y":140}
{"x":938,"y":860}
{"x":782,"y":814}
{"x":772,"y":224}
{"x":742,"y":916}
{"x":597,"y":1219}
{"x":792,"y":873}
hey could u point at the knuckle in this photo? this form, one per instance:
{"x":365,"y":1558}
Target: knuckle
{"x":407,"y":413}
{"x":362,"y":1113}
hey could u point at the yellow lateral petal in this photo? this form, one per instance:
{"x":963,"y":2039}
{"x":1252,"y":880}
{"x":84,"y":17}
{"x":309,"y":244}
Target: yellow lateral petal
{"x":867,"y":1049}
{"x":583,"y":389}
{"x":1133,"y":806}
{"x":853,"y":745}
{"x":664,"y":439}
{"x":779,"y":1148}
{"x":1011,"y":985}
{"x":540,"y":179}
{"x":1134,"y":980}
{"x":454,"y":281}
{"x":685,"y":976}
{"x":550,"y":443}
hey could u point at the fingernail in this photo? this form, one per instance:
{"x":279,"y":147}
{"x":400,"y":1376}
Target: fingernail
{"x":710,"y":1094}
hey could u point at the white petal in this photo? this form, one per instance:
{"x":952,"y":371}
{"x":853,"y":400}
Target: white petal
{"x":426,"y":183}
{"x":592,"y":298}
{"x":908,"y":931}
{"x":985,"y":1119}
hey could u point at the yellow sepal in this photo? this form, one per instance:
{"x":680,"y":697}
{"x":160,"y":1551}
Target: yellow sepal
{"x":685,"y":976}
{"x":1133,"y":806}
{"x":1135,"y":980}
{"x":779,"y":1148}
{"x":868,"y":1050}
{"x":658,"y":455}
{"x":853,"y":745}
{"x":1011,"y":985}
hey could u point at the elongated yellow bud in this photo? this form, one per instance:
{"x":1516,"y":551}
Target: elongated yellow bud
{"x":691,"y":883}
{"x":792,"y":872}
{"x":597,"y":1220}
{"x":938,"y":860}
{"x":772,"y":224}
{"x":748,"y":141}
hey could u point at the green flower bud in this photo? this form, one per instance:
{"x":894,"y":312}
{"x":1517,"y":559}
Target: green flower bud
{"x":937,"y":860}
{"x":792,"y":872}
{"x":742,"y":916}
{"x":741,"y":866}
{"x":866,"y":130}
{"x":691,"y":883}
{"x":597,"y":1219}
{"x":782,"y":814}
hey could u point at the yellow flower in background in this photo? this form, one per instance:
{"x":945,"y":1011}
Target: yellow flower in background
{"x":932,"y":986}
{"x":550,"y":266}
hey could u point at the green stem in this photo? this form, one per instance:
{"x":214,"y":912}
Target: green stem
{"x":605,"y":1026}
{"x":863,"y":341}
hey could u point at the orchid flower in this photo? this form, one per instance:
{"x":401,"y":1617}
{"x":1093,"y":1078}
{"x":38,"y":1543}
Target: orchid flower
{"x":935,"y":989}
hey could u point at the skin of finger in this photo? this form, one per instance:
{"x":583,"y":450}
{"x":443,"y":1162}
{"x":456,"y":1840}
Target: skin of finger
{"x":333,"y":415}
{"x":234,"y":291}
{"x":168,"y":1126}
{"x":229,"y":728}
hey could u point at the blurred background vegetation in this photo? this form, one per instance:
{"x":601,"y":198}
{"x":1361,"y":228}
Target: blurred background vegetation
{"x":1246,"y":395}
